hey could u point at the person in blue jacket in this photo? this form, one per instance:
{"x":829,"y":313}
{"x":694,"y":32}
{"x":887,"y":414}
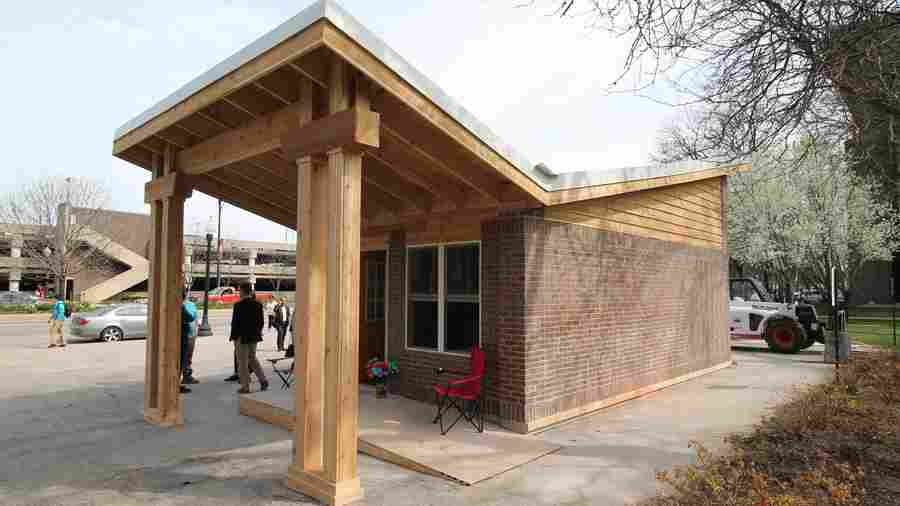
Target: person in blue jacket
{"x":188,"y":315}
{"x":57,"y":321}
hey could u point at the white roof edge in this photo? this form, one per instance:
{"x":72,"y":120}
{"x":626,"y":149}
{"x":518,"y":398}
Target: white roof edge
{"x":334,"y":13}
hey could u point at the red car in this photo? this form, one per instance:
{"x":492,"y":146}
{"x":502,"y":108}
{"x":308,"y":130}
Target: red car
{"x":230,"y":295}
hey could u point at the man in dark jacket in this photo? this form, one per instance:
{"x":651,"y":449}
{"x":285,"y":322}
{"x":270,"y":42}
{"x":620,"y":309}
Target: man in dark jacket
{"x":246,"y":332}
{"x":282,"y":320}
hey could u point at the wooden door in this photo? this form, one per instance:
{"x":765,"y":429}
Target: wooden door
{"x":372,"y":308}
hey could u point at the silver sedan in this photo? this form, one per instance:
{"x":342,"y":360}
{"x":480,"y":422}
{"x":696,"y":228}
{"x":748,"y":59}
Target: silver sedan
{"x":111,"y":323}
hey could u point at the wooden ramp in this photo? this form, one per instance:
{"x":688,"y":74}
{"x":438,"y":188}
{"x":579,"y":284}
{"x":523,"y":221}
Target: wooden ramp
{"x":399,"y":430}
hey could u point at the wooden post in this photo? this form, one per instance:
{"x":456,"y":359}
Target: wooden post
{"x":327,"y":396}
{"x":162,"y":401}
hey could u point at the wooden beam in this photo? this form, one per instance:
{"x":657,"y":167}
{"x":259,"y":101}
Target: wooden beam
{"x":311,"y":72}
{"x":485,"y":187}
{"x":162,"y":402}
{"x":170,"y":185}
{"x":289,"y":50}
{"x":271,"y":93}
{"x":387,"y":79}
{"x":383,"y":199}
{"x":383,"y":177}
{"x":312,"y":268}
{"x":257,"y":137}
{"x":276,"y":190}
{"x":234,"y":103}
{"x":415,"y":169}
{"x":593,"y":192}
{"x":237,"y":198}
{"x":351,"y":128}
{"x":336,"y":482}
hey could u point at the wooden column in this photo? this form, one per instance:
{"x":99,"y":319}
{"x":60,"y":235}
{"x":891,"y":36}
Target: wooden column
{"x":327,"y":393}
{"x":166,"y":194}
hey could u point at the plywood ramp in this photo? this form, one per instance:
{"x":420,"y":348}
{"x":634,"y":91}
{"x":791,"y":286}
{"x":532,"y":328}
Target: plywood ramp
{"x":399,"y":430}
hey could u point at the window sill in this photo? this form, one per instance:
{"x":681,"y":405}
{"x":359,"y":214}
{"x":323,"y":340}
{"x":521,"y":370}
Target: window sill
{"x":462,"y":354}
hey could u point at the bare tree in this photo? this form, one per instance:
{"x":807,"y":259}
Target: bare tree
{"x":63,"y":217}
{"x":758,"y":72}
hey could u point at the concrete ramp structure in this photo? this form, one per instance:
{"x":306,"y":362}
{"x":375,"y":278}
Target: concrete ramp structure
{"x":138,"y":272}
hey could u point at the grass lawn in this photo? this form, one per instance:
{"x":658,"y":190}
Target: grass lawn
{"x":875,"y":332}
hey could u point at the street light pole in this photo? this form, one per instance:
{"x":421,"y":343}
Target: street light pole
{"x":204,"y":329}
{"x":219,"y":248}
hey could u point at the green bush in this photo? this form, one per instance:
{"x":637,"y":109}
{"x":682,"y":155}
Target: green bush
{"x":18,"y":308}
{"x":76,"y":307}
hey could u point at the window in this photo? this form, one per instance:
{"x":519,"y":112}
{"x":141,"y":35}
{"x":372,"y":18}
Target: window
{"x":132,"y":311}
{"x":375,"y":290}
{"x":444,"y":297}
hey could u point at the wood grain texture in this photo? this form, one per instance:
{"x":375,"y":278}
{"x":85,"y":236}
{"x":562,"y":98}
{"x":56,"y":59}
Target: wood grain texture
{"x":380,"y":74}
{"x":289,"y":50}
{"x":682,"y":213}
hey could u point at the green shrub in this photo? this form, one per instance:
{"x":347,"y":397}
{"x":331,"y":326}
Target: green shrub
{"x":76,"y":307}
{"x":18,"y":308}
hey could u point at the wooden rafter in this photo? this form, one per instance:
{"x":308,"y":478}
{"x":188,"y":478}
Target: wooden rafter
{"x":291,"y":50}
{"x":480,"y":185}
{"x":384,"y":199}
{"x":234,"y":103}
{"x":394,"y":85}
{"x":271,"y":93}
{"x":228,"y":193}
{"x":311,"y":71}
{"x":415,"y":169}
{"x":274,"y":186}
{"x":255,"y":138}
{"x":385,"y":178}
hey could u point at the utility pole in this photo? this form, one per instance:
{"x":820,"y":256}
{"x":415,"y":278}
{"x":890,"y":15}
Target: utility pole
{"x":219,"y":248}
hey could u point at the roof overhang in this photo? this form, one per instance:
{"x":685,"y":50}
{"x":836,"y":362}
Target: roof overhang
{"x":327,"y":25}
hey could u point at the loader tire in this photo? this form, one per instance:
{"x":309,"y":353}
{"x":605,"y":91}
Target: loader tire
{"x":785,"y":336}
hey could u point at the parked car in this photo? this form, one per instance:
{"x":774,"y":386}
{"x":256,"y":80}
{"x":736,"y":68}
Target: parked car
{"x":230,"y":295}
{"x":111,"y":324}
{"x":18,"y":298}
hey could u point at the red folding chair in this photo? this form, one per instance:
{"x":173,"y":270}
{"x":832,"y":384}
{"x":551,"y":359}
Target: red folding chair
{"x":463,"y":395}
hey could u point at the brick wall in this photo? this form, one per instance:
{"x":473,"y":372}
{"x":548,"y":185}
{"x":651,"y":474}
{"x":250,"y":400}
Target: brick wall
{"x":607,"y":313}
{"x":573,"y":315}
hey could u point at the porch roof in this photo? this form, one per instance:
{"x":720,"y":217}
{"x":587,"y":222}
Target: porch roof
{"x":428,"y":140}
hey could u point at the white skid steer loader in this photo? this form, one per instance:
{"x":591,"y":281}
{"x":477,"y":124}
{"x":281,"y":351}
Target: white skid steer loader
{"x":786,"y":328}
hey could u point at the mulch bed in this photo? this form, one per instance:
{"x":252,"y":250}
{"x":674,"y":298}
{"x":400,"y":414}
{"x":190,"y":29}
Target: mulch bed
{"x":831,"y":444}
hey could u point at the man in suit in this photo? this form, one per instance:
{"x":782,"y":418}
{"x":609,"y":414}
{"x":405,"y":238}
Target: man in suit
{"x":247,"y":322}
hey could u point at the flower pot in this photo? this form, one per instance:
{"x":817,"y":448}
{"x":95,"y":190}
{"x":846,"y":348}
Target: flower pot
{"x":380,"y":391}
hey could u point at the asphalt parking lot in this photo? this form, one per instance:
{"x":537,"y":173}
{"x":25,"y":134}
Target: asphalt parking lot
{"x":71,"y":433}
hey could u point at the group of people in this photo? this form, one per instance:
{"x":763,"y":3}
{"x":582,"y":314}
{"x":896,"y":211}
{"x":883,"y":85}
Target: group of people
{"x":247,"y":322}
{"x":246,"y":334}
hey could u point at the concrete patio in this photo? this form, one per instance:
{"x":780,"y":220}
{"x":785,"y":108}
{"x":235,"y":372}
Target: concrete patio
{"x":400,"y":431}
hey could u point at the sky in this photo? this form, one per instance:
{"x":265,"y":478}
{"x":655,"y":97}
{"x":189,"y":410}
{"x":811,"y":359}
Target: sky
{"x":76,"y":71}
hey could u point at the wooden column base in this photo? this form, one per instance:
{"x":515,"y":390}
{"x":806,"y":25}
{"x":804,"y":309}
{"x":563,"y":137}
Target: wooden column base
{"x":317,"y":486}
{"x":155,"y":417}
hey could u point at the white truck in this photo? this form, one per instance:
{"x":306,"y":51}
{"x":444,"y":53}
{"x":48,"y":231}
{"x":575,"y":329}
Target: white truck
{"x":753,"y":314}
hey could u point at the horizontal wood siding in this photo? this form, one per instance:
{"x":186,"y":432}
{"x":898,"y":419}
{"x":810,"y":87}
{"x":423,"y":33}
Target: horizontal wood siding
{"x":689,"y":213}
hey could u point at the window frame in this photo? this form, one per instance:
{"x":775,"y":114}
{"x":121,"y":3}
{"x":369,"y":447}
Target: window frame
{"x":441,"y":297}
